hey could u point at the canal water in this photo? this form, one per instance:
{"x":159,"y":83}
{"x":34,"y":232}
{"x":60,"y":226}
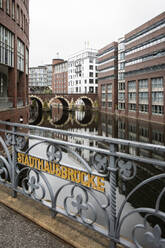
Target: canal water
{"x":96,"y":123}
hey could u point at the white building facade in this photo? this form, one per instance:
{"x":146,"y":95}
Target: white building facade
{"x":82,"y":72}
{"x":40,"y":78}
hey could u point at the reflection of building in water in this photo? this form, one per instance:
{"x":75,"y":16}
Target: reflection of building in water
{"x":86,"y":154}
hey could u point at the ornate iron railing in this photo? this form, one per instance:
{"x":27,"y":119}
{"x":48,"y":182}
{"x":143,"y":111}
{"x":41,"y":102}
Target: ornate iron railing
{"x":87,"y":190}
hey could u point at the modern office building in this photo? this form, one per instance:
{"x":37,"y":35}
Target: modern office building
{"x":60,"y":76}
{"x":14,"y":58}
{"x":142,"y":71}
{"x":107,"y":77}
{"x":40,"y":79}
{"x":82,"y":72}
{"x":140,"y":75}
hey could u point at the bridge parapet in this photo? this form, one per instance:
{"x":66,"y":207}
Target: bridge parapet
{"x":88,"y":192}
{"x":69,"y":100}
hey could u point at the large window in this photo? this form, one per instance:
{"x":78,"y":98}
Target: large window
{"x":27,"y":61}
{"x":143,"y":84}
{"x":6,"y":47}
{"x":20,"y":55}
{"x":131,"y":85}
{"x":1,"y":4}
{"x":157,"y":82}
{"x":13,"y":9}
{"x":157,"y":109}
{"x":143,"y":108}
{"x":8,"y":7}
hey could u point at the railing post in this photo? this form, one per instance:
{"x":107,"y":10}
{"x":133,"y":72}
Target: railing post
{"x":14,"y":161}
{"x":113,"y":184}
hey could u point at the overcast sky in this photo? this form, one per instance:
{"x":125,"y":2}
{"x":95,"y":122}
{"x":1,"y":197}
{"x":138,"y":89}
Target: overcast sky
{"x":63,"y":26}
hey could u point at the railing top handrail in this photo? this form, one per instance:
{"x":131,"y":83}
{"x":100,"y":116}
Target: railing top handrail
{"x":116,"y":141}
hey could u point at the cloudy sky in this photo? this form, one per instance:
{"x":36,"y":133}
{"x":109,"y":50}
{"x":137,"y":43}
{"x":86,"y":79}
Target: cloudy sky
{"x":64,"y":26}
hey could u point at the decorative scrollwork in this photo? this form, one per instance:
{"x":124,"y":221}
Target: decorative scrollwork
{"x":127,"y":170}
{"x":155,"y":237}
{"x":80,"y":205}
{"x":20,"y":142}
{"x":100,"y":163}
{"x":8,"y":139}
{"x":3,"y":173}
{"x":54,"y":153}
{"x":31,"y":186}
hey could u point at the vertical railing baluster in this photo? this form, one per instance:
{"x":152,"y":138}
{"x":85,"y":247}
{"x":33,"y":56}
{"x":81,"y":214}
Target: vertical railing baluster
{"x":14,"y":161}
{"x":113,"y":184}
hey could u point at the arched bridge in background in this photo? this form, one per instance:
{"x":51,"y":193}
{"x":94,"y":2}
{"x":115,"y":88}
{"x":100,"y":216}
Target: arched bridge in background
{"x":67,"y":101}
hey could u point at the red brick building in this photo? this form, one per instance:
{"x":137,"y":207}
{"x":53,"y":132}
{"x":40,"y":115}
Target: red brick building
{"x":60,"y":76}
{"x":14,"y":58}
{"x":107,"y":77}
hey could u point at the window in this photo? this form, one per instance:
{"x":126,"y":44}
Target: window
{"x":91,"y":74}
{"x":143,"y":96}
{"x":91,"y":89}
{"x":6,"y":47}
{"x":121,"y":86}
{"x":1,"y":4}
{"x":143,"y":83}
{"x":132,"y":96}
{"x":90,"y":67}
{"x":157,"y":82}
{"x":13,"y":9}
{"x":143,"y":108}
{"x":8,"y":7}
{"x":121,"y":106}
{"x":18,"y":15}
{"x":27,"y":61}
{"x":20,"y":55}
{"x":132,"y":107}
{"x":157,"y":96}
{"x":121,"y":56}
{"x":121,"y":96}
{"x":109,"y":87}
{"x":109,"y":104}
{"x":131,"y":85}
{"x":102,"y":88}
{"x":121,"y":66}
{"x":157,"y":109}
{"x":121,"y":76}
{"x":91,"y":81}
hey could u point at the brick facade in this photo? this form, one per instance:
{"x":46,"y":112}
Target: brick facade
{"x":14,"y":89}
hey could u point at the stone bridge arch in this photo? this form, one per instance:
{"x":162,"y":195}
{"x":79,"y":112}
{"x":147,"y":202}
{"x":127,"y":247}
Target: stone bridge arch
{"x":39,"y":101}
{"x":65,"y":102}
{"x":36,"y":112}
{"x":87,"y":101}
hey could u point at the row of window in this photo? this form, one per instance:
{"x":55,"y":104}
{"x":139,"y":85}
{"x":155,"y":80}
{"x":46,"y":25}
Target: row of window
{"x":145,"y":45}
{"x":16,"y":13}
{"x":146,"y":32}
{"x":143,"y":83}
{"x":156,"y":109}
{"x":146,"y":58}
{"x":90,"y":81}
